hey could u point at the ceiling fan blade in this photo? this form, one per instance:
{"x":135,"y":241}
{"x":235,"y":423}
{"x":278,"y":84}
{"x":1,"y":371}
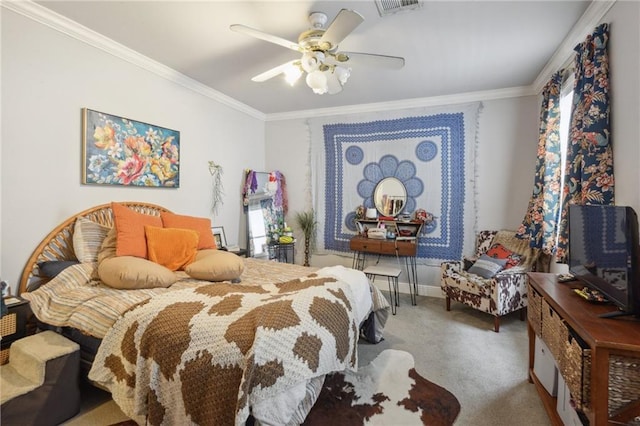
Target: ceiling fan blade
{"x":264,"y":36}
{"x":344,"y":23}
{"x":370,"y":59}
{"x":273,"y":72}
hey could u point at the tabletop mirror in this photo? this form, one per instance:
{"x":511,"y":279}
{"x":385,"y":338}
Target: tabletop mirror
{"x":390,"y":196}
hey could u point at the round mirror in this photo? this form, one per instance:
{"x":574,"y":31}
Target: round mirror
{"x":390,"y":196}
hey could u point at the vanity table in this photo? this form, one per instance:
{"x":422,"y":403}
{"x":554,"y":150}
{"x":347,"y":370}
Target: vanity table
{"x":390,"y":199}
{"x":407,"y":250}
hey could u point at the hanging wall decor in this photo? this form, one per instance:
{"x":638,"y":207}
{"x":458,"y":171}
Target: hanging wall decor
{"x":120,"y":151}
{"x":217,"y":190}
{"x":430,"y":150}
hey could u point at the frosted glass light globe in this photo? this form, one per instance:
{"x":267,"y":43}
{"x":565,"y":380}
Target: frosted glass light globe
{"x":317,"y":81}
{"x":333,"y":84}
{"x":343,"y":74}
{"x":292,"y":74}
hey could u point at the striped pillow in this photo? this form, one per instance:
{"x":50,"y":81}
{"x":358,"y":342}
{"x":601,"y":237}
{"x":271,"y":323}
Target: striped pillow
{"x":87,"y":239}
{"x":487,"y":266}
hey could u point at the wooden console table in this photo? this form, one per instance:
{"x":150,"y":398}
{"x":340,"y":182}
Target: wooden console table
{"x":610,"y":350}
{"x":361,"y":246}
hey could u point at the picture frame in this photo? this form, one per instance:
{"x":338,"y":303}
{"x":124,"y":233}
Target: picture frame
{"x":120,"y":151}
{"x":219,"y":236}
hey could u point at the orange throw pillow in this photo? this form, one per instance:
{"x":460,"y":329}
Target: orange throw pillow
{"x":201,"y":225}
{"x":498,"y":251}
{"x":130,"y":237}
{"x":172,"y":248}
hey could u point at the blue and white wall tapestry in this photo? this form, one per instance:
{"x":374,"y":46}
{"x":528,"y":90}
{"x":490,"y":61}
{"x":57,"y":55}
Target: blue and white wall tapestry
{"x":432,"y":151}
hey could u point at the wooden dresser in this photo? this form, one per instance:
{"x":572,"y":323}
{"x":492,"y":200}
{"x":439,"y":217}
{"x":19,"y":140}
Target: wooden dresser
{"x":599,"y":358}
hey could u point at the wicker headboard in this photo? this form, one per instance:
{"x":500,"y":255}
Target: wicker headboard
{"x":58,"y":245}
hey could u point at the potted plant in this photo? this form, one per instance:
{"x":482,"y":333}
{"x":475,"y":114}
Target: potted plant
{"x":307,"y":222}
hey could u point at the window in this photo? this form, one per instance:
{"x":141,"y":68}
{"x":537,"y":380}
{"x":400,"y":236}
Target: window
{"x":566,"y":101}
{"x":566,"y":98}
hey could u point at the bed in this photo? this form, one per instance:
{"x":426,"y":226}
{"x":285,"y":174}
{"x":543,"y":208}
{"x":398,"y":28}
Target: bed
{"x":252,"y":349}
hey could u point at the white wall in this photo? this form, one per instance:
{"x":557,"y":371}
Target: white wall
{"x":624,"y":59}
{"x":47,"y":78}
{"x":505,"y":160}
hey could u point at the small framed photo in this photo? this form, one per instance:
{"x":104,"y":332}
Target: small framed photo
{"x":218,"y":235}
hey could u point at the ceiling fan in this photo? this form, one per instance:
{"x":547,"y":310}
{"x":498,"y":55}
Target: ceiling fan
{"x":326,"y":67}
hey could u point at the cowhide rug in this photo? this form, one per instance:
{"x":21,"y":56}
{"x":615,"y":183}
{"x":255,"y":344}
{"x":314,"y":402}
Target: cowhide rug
{"x":388,"y":391}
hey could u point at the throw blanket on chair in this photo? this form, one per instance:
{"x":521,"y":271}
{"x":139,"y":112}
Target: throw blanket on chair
{"x":432,"y":151}
{"x":212,"y":354}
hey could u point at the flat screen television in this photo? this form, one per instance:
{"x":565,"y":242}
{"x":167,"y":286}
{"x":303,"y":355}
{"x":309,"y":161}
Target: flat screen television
{"x":604,"y":253}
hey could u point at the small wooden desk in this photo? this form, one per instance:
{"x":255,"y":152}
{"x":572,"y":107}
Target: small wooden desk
{"x":361,"y":246}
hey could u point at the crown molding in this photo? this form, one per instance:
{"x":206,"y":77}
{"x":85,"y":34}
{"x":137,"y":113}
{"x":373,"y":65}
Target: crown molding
{"x":563,"y":55}
{"x":487,"y":95}
{"x":73,"y":29}
{"x":591,"y":17}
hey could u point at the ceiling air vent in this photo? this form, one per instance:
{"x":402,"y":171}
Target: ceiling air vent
{"x":389,"y":7}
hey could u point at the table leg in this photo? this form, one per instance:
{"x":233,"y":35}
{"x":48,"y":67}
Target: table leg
{"x":412,"y":276}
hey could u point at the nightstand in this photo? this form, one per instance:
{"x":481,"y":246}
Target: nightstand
{"x":13,"y":325}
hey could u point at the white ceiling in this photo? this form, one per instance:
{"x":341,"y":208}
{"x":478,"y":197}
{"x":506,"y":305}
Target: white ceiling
{"x":450,"y":47}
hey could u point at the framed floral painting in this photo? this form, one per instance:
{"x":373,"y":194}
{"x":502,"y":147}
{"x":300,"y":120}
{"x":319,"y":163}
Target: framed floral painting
{"x":120,"y":151}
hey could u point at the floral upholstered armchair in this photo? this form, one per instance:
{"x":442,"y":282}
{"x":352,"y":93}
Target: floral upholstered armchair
{"x":495,"y":280}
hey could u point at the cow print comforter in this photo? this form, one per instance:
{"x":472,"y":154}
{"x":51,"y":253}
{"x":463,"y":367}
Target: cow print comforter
{"x":215,"y":354}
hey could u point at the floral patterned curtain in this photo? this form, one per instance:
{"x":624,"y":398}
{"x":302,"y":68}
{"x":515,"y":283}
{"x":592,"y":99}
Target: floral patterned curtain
{"x":589,"y":168}
{"x":539,"y":224}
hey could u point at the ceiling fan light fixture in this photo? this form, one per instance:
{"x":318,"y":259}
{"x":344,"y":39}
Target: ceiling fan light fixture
{"x":317,"y":81}
{"x":342,"y":73}
{"x":333,"y":83}
{"x":292,"y":74}
{"x":324,"y":65}
{"x":311,"y":61}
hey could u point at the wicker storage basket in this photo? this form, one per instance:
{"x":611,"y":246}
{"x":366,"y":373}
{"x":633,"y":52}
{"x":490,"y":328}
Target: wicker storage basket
{"x":624,"y":379}
{"x":4,"y":356}
{"x":554,"y":331}
{"x":575,"y":367}
{"x":8,"y":325}
{"x":534,"y":310}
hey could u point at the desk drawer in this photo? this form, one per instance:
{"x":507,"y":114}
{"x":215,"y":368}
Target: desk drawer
{"x":365,"y":244}
{"x":388,"y":247}
{"x":406,"y":248}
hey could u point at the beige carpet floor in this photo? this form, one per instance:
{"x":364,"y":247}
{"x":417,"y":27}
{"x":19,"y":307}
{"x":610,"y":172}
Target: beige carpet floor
{"x":457,"y":350}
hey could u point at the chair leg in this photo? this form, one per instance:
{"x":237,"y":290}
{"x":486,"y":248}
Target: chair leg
{"x":448,"y":301}
{"x":496,"y":324}
{"x":396,"y":290}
